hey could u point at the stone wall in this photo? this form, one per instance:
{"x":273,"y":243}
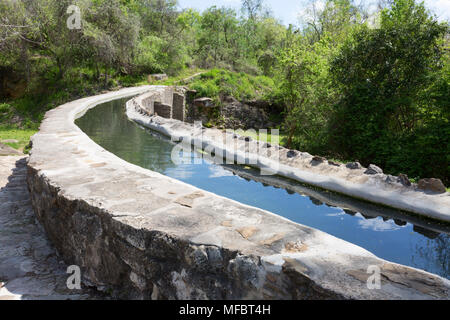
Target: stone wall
{"x":179,"y":106}
{"x":149,"y":103}
{"x":141,"y":235}
{"x":167,"y":103}
{"x":167,"y":95}
{"x":163,"y":110}
{"x":351,"y":179}
{"x":147,"y":264}
{"x":146,"y":102}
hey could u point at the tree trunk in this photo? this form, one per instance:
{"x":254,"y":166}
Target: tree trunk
{"x":291,"y":135}
{"x":106,"y":76}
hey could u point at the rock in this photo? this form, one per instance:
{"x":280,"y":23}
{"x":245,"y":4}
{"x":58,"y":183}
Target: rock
{"x":404,"y":180}
{"x":391,"y":179}
{"x":292,"y":153}
{"x":295,"y":247}
{"x":204,"y":102}
{"x":260,"y":104}
{"x":305,"y":155}
{"x":333,"y":163}
{"x":247,"y":139}
{"x":354,"y":165}
{"x":230,"y":99}
{"x":373,"y":169}
{"x":319,"y":159}
{"x":159,"y":76}
{"x":434,"y":185}
{"x":267,"y":145}
{"x":240,"y":115}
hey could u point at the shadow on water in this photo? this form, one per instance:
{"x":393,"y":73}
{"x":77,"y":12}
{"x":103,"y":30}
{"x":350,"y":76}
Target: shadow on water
{"x":390,"y":234}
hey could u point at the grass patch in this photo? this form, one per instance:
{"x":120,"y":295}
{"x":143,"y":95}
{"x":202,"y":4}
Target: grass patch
{"x":263,"y":136}
{"x":178,"y":79}
{"x":219,"y":82}
{"x":22,"y":136}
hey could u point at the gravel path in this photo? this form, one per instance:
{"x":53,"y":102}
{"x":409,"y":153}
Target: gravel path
{"x":29,"y":266}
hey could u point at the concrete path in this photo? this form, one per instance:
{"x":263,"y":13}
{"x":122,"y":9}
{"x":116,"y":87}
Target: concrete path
{"x":29,"y":266}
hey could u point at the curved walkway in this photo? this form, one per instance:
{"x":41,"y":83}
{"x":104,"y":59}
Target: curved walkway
{"x":29,"y":266}
{"x":144,"y":235}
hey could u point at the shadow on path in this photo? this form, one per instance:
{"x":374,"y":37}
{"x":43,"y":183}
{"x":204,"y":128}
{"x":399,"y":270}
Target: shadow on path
{"x":29,"y":266}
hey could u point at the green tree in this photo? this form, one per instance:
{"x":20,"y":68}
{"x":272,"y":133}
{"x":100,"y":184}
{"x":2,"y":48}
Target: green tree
{"x":382,"y":75}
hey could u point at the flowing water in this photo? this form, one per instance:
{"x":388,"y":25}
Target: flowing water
{"x":390,"y":234}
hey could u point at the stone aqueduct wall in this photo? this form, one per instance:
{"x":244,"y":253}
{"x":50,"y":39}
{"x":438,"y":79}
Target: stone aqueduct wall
{"x":169,"y":104}
{"x":142,"y":235}
{"x":352,"y":179}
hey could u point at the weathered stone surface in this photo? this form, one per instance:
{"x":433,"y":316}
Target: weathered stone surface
{"x":292,"y":153}
{"x":188,"y":201}
{"x":204,"y":102}
{"x":127,"y":230}
{"x":404,"y":180}
{"x":179,"y":107}
{"x":237,"y":115}
{"x":29,"y":266}
{"x":375,"y":188}
{"x":334,"y":163}
{"x":318,"y":160}
{"x":163,"y":110}
{"x":373,"y":169}
{"x":294,"y":247}
{"x":354,"y":165}
{"x":433,"y":185}
{"x":247,"y":232}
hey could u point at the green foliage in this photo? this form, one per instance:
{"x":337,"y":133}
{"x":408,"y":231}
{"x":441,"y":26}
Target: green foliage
{"x":392,"y":108}
{"x":218,"y":83}
{"x":22,"y":136}
{"x":344,"y":87}
{"x":376,"y":95}
{"x":307,"y":93}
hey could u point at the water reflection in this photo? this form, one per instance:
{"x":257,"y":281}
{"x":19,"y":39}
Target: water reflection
{"x":377,"y":224}
{"x":390,"y":234}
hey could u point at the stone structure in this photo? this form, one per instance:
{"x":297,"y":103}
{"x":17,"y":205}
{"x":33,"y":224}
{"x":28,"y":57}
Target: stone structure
{"x":29,"y":266}
{"x":179,"y":107}
{"x":168,"y":104}
{"x":204,"y":103}
{"x":432,"y":185}
{"x":162,"y":110}
{"x":139,"y":234}
{"x":369,"y":184}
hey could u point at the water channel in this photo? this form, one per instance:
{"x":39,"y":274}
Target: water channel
{"x":390,"y":234}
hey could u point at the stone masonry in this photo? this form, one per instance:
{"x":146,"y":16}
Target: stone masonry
{"x":179,"y":106}
{"x":29,"y":266}
{"x":142,"y":235}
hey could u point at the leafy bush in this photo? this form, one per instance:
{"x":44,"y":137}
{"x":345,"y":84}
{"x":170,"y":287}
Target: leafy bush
{"x":217,"y":83}
{"x":394,"y":105}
